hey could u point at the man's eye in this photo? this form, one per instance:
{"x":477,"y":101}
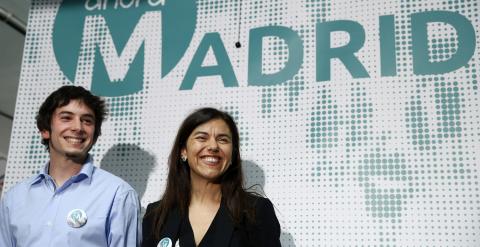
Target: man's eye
{"x":88,"y":121}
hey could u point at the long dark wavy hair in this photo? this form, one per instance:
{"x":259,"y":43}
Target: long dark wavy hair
{"x":178,"y":191}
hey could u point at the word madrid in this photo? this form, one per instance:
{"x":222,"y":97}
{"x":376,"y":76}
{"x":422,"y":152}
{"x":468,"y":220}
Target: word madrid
{"x":125,"y":59}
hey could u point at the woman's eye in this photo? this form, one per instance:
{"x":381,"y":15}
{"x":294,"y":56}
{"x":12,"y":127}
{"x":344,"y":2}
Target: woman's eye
{"x":224,"y":140}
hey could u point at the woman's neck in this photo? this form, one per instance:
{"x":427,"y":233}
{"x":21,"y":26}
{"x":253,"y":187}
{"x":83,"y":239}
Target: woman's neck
{"x":205,"y":192}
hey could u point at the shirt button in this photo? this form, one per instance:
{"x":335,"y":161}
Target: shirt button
{"x":49,"y":223}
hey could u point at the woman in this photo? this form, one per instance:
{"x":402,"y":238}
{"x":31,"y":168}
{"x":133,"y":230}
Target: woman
{"x":204,"y":203}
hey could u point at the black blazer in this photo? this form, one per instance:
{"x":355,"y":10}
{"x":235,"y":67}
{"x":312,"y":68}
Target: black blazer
{"x":222,"y":232}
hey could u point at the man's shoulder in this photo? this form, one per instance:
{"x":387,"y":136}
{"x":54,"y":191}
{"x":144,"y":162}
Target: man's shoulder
{"x":20,"y":187}
{"x":101,"y":176}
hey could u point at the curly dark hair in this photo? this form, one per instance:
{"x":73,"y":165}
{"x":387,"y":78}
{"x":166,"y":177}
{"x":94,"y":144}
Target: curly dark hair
{"x":62,"y":97}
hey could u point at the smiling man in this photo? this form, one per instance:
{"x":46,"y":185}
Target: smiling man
{"x":70,"y":202}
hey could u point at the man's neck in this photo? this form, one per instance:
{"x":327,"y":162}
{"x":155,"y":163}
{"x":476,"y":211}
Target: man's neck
{"x":63,"y":168}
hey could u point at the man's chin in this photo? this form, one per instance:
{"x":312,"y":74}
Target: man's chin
{"x":76,"y":155}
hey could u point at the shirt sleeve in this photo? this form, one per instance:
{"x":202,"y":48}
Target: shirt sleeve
{"x":6,"y":238}
{"x":124,"y":222}
{"x":267,"y":228}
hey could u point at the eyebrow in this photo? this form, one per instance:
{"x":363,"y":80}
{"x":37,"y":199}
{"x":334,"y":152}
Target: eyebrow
{"x":205,"y":133}
{"x":71,"y":113}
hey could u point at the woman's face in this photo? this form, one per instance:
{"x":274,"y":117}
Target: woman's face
{"x":209,"y":150}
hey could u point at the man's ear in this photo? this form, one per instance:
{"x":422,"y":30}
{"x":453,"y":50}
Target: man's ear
{"x":45,"y":134}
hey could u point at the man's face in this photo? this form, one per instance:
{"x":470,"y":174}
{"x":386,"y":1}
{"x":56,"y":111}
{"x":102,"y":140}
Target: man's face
{"x":72,"y":131}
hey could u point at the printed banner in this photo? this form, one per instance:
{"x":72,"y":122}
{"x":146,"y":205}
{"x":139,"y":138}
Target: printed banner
{"x":359,"y":119}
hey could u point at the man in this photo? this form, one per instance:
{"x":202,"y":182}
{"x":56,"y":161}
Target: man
{"x":70,"y":202}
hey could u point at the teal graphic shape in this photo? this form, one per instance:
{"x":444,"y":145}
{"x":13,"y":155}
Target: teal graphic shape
{"x":345,"y":53}
{"x":178,"y":25}
{"x":448,"y":108}
{"x":380,"y":201}
{"x":324,"y":122}
{"x":465,"y":35}
{"x":295,"y":55}
{"x":223,"y":68}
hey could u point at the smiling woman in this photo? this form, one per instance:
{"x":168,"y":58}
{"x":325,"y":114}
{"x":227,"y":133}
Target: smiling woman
{"x":205,"y":203}
{"x":208,"y":151}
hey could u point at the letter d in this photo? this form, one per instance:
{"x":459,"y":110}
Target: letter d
{"x":465,"y":41}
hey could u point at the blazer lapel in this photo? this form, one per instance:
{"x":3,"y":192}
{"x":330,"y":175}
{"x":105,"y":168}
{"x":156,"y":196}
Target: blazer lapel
{"x":223,"y":228}
{"x":172,"y":226}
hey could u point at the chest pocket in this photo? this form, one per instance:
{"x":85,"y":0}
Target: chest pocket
{"x":94,"y":231}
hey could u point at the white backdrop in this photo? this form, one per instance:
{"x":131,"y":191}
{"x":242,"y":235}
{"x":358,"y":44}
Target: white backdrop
{"x":383,"y":160}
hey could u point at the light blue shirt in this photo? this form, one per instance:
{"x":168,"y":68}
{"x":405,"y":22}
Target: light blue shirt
{"x":34,"y":212}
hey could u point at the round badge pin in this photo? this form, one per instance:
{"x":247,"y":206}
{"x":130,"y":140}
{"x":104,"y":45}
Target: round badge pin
{"x":76,"y":218}
{"x":165,"y":242}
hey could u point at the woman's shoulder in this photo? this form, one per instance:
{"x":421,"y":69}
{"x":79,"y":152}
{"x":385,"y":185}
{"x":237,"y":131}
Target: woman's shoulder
{"x":154,"y":204}
{"x":258,"y":200}
{"x":151,"y":207}
{"x":265,"y":229}
{"x":262,"y":205}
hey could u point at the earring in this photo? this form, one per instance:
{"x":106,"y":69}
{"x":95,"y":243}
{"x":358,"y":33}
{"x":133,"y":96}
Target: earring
{"x":184,"y":158}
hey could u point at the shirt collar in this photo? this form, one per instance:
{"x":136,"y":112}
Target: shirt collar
{"x":85,"y":173}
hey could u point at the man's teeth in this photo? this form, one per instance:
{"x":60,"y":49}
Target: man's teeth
{"x":74,"y":140}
